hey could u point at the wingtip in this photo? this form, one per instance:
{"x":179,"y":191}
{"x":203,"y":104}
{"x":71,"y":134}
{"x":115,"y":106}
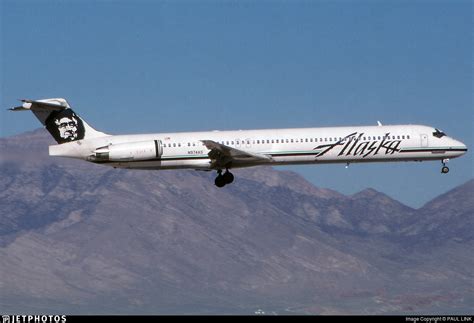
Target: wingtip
{"x":16,"y":109}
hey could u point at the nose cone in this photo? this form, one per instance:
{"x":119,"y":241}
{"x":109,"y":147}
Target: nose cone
{"x":459,"y":147}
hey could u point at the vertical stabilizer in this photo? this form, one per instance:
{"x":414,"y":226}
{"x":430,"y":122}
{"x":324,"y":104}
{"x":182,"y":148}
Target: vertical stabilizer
{"x":60,"y":120}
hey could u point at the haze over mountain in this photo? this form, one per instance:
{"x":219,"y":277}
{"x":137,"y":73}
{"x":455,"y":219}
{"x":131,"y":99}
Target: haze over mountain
{"x":83,"y":238}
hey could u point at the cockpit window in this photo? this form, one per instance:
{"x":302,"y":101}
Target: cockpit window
{"x":438,"y":133}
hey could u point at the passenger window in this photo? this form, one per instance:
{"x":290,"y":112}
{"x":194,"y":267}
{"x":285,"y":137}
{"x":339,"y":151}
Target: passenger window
{"x":273,"y":141}
{"x":403,"y":137}
{"x":189,"y":144}
{"x":408,"y":137}
{"x":291,"y":140}
{"x":179,"y":144}
{"x":398,"y":137}
{"x":311,"y":139}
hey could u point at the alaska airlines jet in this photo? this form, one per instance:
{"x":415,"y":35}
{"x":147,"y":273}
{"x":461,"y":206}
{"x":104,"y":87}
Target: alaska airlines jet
{"x":224,"y":150}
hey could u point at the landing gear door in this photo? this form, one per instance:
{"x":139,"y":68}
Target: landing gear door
{"x":424,"y":140}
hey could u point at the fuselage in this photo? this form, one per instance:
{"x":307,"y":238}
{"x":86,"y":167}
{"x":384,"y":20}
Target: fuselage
{"x":225,"y":150}
{"x":281,"y":146}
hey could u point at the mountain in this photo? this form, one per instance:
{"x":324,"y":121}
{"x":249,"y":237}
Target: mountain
{"x":82,"y":238}
{"x":447,"y":217}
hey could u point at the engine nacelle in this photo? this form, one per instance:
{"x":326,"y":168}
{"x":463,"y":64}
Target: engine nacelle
{"x":141,"y":150}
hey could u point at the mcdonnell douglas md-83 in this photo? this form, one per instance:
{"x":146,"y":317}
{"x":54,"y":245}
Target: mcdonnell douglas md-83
{"x":224,"y":150}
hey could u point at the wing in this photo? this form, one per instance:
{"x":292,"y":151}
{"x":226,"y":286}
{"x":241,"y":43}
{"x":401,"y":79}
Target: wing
{"x":223,"y":156}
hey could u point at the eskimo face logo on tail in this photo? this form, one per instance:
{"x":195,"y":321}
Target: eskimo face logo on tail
{"x":65,"y":126}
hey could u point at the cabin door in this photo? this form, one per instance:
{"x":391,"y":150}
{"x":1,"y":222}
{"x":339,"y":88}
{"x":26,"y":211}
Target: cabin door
{"x":424,"y":140}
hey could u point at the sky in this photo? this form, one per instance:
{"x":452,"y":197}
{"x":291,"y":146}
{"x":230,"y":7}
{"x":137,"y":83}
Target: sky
{"x":170,"y":66}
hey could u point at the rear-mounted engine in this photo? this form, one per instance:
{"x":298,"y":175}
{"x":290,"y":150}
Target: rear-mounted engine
{"x":141,"y":150}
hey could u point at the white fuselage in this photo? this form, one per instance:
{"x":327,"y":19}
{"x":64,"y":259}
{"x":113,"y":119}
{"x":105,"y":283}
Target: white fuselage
{"x":282,"y":146}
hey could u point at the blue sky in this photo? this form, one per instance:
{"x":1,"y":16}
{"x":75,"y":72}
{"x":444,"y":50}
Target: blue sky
{"x":151,"y":66}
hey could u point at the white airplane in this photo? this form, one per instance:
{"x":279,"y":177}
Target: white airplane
{"x":225,"y":150}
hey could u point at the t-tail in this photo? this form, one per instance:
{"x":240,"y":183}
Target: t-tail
{"x":60,"y":120}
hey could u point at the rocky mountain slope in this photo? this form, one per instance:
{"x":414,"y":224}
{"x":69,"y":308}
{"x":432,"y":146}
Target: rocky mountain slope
{"x":83,"y":238}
